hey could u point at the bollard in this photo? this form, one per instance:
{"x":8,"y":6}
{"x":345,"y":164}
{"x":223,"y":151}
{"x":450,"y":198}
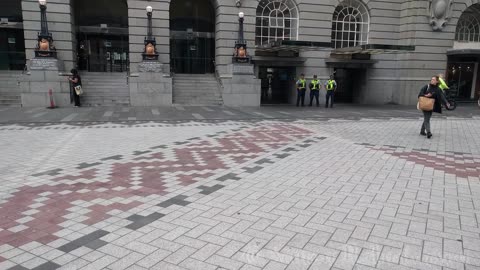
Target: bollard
{"x":52,"y":102}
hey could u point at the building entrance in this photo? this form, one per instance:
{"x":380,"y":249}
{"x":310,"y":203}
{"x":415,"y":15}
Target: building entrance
{"x":278,"y":84}
{"x":102,"y":35}
{"x":192,"y":52}
{"x":12,"y":49}
{"x":348,"y":84}
{"x":463,"y":78}
{"x":102,"y":52}
{"x":192,"y":36}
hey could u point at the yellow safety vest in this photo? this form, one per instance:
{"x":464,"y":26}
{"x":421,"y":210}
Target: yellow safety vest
{"x":302,"y":84}
{"x":442,"y":85}
{"x":315,"y":84}
{"x":330,"y":85}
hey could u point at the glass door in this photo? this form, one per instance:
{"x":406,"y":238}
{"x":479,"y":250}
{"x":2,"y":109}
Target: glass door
{"x":460,"y":78}
{"x":102,"y":53}
{"x":12,"y":49}
{"x":192,"y":53}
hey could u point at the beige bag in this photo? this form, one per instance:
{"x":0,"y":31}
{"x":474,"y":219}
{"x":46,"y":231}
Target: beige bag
{"x":426,"y":104}
{"x":78,"y":90}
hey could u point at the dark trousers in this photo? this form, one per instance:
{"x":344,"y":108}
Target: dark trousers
{"x":426,"y":121}
{"x":301,"y":96}
{"x":76,"y":98}
{"x":316,"y":94}
{"x":330,"y":96}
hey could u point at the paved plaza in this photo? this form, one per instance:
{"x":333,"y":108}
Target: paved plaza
{"x":229,"y":188}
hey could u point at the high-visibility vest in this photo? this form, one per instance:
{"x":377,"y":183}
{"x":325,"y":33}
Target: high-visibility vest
{"x":316,"y":84}
{"x":302,"y":84}
{"x":442,"y":85}
{"x":330,"y":85}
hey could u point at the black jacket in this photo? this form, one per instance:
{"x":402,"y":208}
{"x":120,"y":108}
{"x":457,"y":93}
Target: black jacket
{"x":437,"y":94}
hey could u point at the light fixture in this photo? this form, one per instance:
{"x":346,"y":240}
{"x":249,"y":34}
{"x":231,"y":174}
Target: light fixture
{"x":42,"y":2}
{"x":241,"y":15}
{"x":149,"y":9}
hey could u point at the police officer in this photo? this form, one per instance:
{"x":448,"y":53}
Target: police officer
{"x":331,"y":86}
{"x":301,"y":90}
{"x":314,"y":90}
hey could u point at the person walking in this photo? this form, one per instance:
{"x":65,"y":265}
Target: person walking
{"x":76,"y":81}
{"x":314,"y":90}
{"x":301,"y":90}
{"x":433,"y":91}
{"x":331,"y":86}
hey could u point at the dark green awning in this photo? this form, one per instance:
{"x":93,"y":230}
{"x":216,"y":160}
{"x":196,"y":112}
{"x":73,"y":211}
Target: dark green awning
{"x":298,"y":45}
{"x":375,"y":49}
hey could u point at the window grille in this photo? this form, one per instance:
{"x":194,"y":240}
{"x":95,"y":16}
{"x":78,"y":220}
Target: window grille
{"x":350,"y":24}
{"x":276,"y":20}
{"x":468,"y":28}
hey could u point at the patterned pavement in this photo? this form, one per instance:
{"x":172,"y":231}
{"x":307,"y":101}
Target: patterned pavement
{"x":263,"y":194}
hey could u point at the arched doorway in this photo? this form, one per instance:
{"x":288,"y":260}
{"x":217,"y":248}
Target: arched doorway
{"x":12,"y":41}
{"x":463,"y":71}
{"x":192,"y":36}
{"x":102,"y":35}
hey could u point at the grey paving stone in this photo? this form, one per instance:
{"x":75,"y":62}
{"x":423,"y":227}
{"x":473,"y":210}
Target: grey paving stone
{"x":87,"y":165}
{"x":209,"y":190}
{"x":177,"y":200}
{"x":82,"y":241}
{"x":230,"y":176}
{"x":96,"y":244}
{"x":141,"y":221}
{"x":47,"y":266}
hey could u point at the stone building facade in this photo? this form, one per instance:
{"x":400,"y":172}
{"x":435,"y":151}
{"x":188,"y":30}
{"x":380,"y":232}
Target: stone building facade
{"x":379,"y":51}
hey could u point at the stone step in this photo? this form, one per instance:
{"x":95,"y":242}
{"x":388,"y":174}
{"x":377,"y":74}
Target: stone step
{"x":105,"y":89}
{"x":103,"y":74}
{"x":10,"y":90}
{"x":188,"y":93}
{"x":200,"y":86}
{"x":6,"y":84}
{"x":206,"y":91}
{"x":196,"y":98}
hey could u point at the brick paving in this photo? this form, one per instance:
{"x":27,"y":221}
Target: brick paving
{"x":263,"y":194}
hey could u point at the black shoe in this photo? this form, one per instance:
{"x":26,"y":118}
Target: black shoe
{"x":429,"y":135}
{"x":310,"y":105}
{"x":423,"y":133}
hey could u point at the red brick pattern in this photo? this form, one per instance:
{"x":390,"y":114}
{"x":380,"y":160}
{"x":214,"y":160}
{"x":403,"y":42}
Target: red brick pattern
{"x":460,"y":165}
{"x":35,"y":213}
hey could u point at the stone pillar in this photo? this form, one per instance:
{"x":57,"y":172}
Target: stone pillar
{"x":242,"y":89}
{"x":151,"y":86}
{"x":60,"y":25}
{"x":36,"y":84}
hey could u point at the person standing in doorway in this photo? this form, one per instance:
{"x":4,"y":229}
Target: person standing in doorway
{"x":314,"y":90}
{"x":76,"y":81}
{"x":331,"y":86}
{"x":432,"y":90}
{"x":301,"y":90}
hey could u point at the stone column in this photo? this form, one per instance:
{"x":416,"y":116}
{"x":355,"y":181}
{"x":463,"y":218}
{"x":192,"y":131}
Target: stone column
{"x":47,"y":73}
{"x":150,"y":81}
{"x":242,"y":89}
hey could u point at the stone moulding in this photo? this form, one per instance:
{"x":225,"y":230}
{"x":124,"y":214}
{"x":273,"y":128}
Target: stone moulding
{"x":439,"y":12}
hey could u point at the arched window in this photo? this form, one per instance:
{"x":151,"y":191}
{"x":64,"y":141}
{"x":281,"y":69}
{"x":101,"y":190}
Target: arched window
{"x":468,"y":27}
{"x":350,"y":24}
{"x":276,"y":20}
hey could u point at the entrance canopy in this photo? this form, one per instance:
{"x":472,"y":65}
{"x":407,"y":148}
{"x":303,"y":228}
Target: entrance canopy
{"x":297,"y":46}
